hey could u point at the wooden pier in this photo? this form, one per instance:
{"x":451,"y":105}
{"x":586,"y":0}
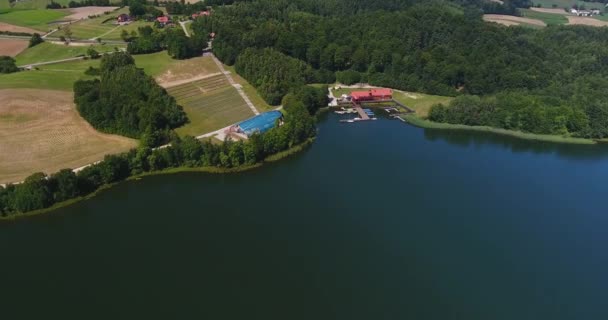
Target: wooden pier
{"x":362,"y":113}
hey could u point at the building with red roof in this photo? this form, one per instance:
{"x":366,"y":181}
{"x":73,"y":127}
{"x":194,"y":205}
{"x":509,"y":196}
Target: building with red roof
{"x":163,"y":19}
{"x":372,"y":95}
{"x":201,"y":14}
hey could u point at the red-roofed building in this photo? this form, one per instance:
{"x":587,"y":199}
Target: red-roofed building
{"x":163,"y":19}
{"x":201,"y":14}
{"x":372,"y":95}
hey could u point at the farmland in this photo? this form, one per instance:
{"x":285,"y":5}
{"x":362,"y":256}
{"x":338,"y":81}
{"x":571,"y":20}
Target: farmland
{"x":40,"y":130}
{"x":50,"y":51}
{"x":513,"y":20}
{"x":10,"y":47}
{"x":36,"y":19}
{"x":59,"y":76}
{"x":211,"y":104}
{"x":548,"y":18}
{"x":566,"y":3}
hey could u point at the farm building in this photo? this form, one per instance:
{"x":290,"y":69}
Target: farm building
{"x":260,"y":123}
{"x":372,"y":95}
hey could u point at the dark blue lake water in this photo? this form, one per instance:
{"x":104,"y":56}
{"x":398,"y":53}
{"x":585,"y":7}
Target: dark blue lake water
{"x":377,"y":220}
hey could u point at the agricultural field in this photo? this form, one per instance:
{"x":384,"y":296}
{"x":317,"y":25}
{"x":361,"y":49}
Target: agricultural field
{"x":40,"y":20}
{"x":48,"y":51}
{"x":513,"y":20}
{"x":419,"y":102}
{"x":250,"y":91}
{"x":548,"y":18}
{"x":40,"y":130}
{"x":59,"y":76}
{"x":92,"y":28}
{"x":10,"y":47}
{"x":180,"y":71}
{"x":210,"y":103}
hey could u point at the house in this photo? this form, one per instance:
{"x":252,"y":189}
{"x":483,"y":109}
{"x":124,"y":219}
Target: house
{"x":163,"y":20}
{"x":123,"y":18}
{"x":201,"y":14}
{"x":372,"y":95}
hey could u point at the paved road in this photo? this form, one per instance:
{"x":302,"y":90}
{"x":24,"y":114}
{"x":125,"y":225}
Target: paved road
{"x":183,"y":24}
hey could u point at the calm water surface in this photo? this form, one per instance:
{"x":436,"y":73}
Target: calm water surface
{"x":376,"y":220}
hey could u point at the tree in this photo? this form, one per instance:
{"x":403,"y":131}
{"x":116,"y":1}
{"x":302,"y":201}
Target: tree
{"x":92,"y":53}
{"x":137,"y":9}
{"x":35,"y":40}
{"x":67,"y":32}
{"x":65,"y":185}
{"x":32,"y":194}
{"x":7,"y":65}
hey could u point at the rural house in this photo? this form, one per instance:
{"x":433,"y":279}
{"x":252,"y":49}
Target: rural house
{"x":163,"y":20}
{"x":372,"y":95}
{"x":123,"y":18}
{"x":201,"y":14}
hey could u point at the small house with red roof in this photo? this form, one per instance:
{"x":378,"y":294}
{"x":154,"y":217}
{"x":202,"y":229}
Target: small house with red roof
{"x":123,"y":18}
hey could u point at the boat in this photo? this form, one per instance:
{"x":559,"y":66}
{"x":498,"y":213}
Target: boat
{"x":340,"y":112}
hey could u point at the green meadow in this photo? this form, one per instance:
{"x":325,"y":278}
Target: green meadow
{"x":35,"y":19}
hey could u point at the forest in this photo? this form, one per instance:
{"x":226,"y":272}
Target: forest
{"x":439,"y":47}
{"x":40,"y":191}
{"x":126,"y":101}
{"x":178,"y":46}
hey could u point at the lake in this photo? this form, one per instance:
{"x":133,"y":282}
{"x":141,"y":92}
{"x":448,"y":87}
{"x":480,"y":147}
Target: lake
{"x":377,"y":220}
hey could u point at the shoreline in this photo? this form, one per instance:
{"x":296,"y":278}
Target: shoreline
{"x":426,"y":124}
{"x":169,"y":171}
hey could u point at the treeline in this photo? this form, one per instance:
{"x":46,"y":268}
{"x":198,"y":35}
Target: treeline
{"x":437,"y":47}
{"x":126,"y":101}
{"x":7,"y":65}
{"x":40,"y":191}
{"x":177,"y":7}
{"x":173,"y":40}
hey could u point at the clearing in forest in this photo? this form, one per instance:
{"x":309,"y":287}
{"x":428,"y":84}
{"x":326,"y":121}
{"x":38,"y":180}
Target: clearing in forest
{"x":12,"y":47}
{"x":40,"y":130}
{"x":210,"y":103}
{"x":512,"y":20}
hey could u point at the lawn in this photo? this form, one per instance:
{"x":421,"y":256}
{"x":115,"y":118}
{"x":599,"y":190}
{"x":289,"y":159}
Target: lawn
{"x":419,"y":102}
{"x":91,"y":28}
{"x":59,"y":76}
{"x":566,"y":4}
{"x":35,"y":19}
{"x":40,"y":130}
{"x":49,"y":52}
{"x":210,"y":104}
{"x":548,"y":18}
{"x":153,"y":63}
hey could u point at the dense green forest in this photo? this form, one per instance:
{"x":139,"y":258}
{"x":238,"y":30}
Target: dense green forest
{"x":40,"y":191}
{"x":557,"y":74}
{"x":126,"y":101}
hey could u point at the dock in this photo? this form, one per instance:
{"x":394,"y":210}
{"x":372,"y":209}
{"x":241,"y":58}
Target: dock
{"x":362,"y":114}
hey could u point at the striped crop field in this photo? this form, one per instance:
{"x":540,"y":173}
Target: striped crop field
{"x":211,"y":104}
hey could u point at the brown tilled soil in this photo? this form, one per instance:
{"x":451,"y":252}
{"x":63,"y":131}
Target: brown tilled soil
{"x":512,"y":20}
{"x":85,"y":12}
{"x":186,"y":70}
{"x":40,"y":130}
{"x":587,"y":21}
{"x":13,"y":28}
{"x":10,"y":47}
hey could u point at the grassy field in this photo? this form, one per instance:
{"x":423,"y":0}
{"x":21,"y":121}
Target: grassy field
{"x":49,"y":52}
{"x":35,"y":19}
{"x":40,"y":130}
{"x":567,"y":3}
{"x":96,"y":28}
{"x":548,"y":18}
{"x":59,"y":76}
{"x":250,"y":91}
{"x":419,"y":102}
{"x":211,"y":104}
